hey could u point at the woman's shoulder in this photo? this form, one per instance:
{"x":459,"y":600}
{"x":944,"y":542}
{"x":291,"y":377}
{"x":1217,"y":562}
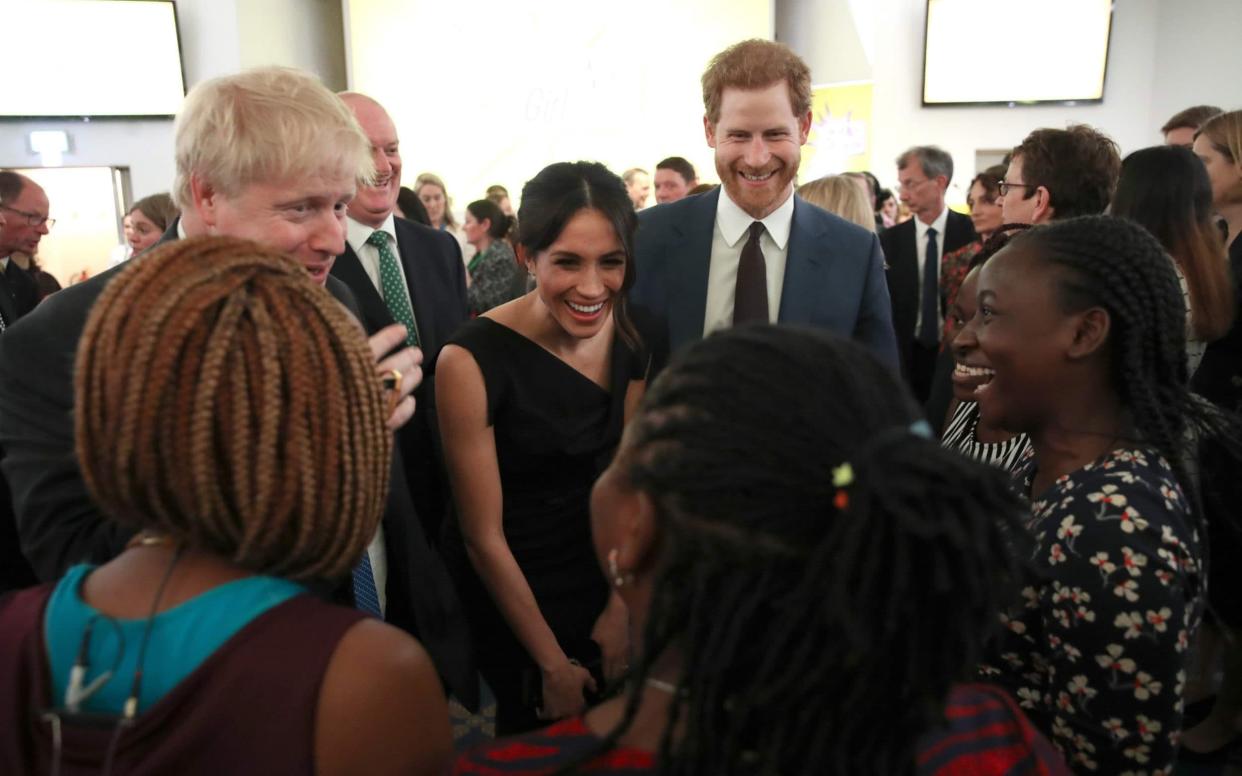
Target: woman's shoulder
{"x":1130,"y":473}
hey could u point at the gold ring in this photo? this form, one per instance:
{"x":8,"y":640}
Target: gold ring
{"x":391,"y":379}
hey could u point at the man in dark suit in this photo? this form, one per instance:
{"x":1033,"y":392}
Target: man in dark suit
{"x":914,"y":250}
{"x":25,"y":206}
{"x":751,"y":250}
{"x":294,"y":203}
{"x":408,"y":273}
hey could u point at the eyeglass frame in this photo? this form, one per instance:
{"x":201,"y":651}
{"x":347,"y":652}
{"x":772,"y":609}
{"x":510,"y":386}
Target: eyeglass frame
{"x":1004,"y":186}
{"x":32,"y":219}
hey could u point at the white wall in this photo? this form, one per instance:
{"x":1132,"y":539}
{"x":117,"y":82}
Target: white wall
{"x":299,"y":33}
{"x":217,"y":37}
{"x":1165,"y":55}
{"x":1198,"y":58}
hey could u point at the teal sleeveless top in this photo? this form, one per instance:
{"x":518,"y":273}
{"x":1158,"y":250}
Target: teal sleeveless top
{"x":181,"y":637}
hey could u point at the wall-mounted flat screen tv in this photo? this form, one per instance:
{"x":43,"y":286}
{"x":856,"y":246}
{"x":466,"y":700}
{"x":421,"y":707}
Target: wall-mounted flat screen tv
{"x":1006,"y":52}
{"x":91,"y":58}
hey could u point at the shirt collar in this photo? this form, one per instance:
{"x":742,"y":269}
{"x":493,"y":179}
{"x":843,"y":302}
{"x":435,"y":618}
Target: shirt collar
{"x":358,"y":233}
{"x":734,"y":222}
{"x":920,"y":228}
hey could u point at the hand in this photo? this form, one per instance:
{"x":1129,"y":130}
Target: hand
{"x":407,"y":361}
{"x":612,"y":634}
{"x":563,"y":690}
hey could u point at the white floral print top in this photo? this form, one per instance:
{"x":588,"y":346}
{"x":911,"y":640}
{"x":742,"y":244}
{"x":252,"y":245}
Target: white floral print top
{"x":1096,"y":653}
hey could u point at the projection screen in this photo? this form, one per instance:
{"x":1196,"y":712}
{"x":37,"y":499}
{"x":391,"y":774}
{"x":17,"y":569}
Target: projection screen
{"x":91,"y":58}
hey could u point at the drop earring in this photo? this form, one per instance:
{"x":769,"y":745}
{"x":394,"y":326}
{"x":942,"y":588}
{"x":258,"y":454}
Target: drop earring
{"x":618,"y":580}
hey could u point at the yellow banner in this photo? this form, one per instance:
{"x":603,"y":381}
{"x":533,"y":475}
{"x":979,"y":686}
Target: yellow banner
{"x":840,"y":138}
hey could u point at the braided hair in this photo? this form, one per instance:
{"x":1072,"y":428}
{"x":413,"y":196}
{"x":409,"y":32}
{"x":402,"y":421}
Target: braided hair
{"x":821,"y":626}
{"x":1116,"y":264}
{"x":226,"y":400}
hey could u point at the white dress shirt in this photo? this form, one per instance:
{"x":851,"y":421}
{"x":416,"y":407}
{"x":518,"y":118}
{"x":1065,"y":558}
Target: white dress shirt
{"x":728,"y":238}
{"x":368,"y":254}
{"x":920,"y":245}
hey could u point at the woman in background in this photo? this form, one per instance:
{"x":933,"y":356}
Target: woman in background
{"x":1165,"y":189}
{"x":150,"y":217}
{"x":228,"y":412}
{"x":1218,"y":144}
{"x":494,"y":274}
{"x":841,"y":196}
{"x":985,"y":215}
{"x":439,"y":205}
{"x":532,"y":396}
{"x":812,"y":582}
{"x":410,"y":207}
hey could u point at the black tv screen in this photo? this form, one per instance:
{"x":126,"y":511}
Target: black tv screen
{"x":92,"y":58}
{"x":986,"y":52}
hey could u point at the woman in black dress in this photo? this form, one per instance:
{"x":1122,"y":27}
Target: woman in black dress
{"x":1081,"y":327}
{"x":532,"y":399}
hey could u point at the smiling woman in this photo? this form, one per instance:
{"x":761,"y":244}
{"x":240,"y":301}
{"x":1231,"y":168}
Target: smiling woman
{"x":532,"y":399}
{"x":1079,"y":342}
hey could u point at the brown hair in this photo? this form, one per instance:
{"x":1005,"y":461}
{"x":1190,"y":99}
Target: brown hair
{"x":1166,"y":190}
{"x":431,"y":179}
{"x":1078,"y":167}
{"x":223,"y":398}
{"x":990,"y":179}
{"x":1224,"y":132}
{"x":756,"y":64}
{"x":158,"y":208}
{"x":1193,"y":118}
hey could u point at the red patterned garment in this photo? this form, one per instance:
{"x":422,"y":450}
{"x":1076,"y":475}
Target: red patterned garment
{"x":985,"y":734}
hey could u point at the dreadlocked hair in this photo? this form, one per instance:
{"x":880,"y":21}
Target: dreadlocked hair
{"x":819,"y":634}
{"x":226,"y":400}
{"x":1116,"y":264}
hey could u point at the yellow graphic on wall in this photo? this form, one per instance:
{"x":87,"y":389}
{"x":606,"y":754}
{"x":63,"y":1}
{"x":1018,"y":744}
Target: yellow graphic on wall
{"x":840,"y":138}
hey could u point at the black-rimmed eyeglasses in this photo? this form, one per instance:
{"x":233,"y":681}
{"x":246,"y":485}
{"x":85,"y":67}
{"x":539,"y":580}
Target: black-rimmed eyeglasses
{"x":1005,"y":186}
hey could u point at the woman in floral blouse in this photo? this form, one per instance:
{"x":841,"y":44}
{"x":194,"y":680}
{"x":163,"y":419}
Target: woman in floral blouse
{"x":1080,"y":325}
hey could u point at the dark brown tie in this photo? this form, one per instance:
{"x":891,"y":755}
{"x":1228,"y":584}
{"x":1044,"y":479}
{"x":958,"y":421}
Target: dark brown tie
{"x":750,"y":302}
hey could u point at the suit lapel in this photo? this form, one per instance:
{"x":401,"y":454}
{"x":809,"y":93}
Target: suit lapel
{"x":689,"y":260}
{"x":420,"y":286}
{"x":348,"y":269}
{"x":804,"y":266}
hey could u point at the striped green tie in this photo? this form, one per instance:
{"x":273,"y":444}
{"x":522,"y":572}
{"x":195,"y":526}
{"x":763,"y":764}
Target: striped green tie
{"x":393,"y":289}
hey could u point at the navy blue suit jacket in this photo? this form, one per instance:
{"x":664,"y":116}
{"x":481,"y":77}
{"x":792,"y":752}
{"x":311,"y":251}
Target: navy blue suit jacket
{"x":834,"y":273}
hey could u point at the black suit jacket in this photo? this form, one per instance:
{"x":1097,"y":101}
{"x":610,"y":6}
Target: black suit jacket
{"x":436,"y":277}
{"x":903,"y":273}
{"x":18,"y":293}
{"x":59,"y":524}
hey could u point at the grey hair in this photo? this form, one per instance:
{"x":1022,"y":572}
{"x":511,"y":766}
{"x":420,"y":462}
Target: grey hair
{"x":934,"y":160}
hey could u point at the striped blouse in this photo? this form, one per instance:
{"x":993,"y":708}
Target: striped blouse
{"x":960,"y":435}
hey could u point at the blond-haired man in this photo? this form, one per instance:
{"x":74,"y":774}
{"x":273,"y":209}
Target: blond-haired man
{"x":271,"y":155}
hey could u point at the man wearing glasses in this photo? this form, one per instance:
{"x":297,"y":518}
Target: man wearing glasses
{"x":1059,"y":173}
{"x":24,"y":206}
{"x":913,"y":250}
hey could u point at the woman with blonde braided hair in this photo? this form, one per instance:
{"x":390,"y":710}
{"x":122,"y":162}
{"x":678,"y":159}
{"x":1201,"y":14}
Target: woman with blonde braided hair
{"x":227,"y":409}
